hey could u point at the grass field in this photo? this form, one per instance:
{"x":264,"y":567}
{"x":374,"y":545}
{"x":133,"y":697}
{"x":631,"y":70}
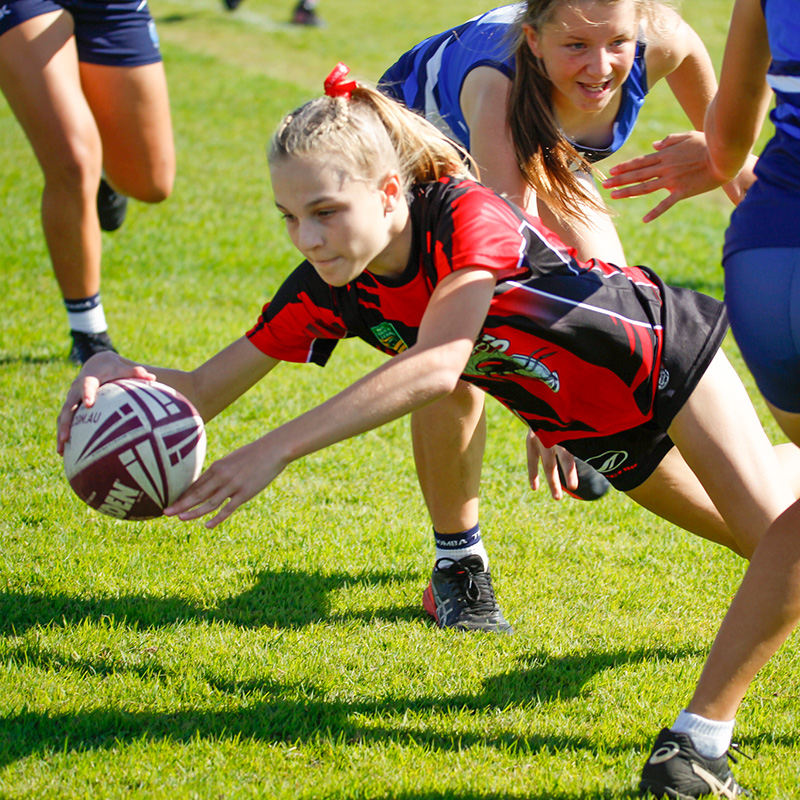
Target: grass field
{"x":286,"y":654}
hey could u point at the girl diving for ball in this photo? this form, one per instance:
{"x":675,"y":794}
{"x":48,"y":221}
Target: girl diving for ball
{"x":405,"y":250}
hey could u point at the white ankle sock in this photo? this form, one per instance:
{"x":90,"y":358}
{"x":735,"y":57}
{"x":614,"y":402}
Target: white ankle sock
{"x":86,"y":314}
{"x":711,"y":738}
{"x":459,"y":545}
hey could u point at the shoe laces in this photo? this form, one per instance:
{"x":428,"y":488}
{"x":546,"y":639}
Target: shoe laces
{"x":736,"y":750}
{"x":475,"y":588}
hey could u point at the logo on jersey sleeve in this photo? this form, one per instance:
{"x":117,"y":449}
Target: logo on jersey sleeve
{"x":490,"y":358}
{"x":388,"y":336}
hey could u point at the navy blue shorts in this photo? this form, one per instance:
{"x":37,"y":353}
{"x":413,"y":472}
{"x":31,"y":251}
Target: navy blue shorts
{"x":762,"y":292}
{"x":120,"y":34}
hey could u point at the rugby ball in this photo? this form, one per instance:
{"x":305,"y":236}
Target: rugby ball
{"x":136,"y":450}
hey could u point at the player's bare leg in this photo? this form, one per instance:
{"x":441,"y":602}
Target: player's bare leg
{"x":449,"y":440}
{"x":39,"y":75}
{"x":764,"y":612}
{"x":40,"y":78}
{"x":726,"y":489}
{"x":131,"y":107}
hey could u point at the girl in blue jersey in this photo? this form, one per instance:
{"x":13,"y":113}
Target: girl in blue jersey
{"x":85,"y":80}
{"x":537,"y":92}
{"x":405,"y":250}
{"x":762,"y":269}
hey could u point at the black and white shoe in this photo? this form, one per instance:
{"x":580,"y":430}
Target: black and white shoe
{"x":304,"y":13}
{"x":591,"y":484}
{"x":85,"y":345}
{"x":111,"y":206}
{"x":676,"y":770}
{"x":460,"y":595}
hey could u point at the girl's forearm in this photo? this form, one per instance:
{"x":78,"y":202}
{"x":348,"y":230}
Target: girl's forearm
{"x":409,"y":381}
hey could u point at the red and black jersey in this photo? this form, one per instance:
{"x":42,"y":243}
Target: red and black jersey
{"x":575,"y":349}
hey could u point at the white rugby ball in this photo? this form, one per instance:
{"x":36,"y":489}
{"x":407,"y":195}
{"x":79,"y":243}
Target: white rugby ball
{"x":136,"y":450}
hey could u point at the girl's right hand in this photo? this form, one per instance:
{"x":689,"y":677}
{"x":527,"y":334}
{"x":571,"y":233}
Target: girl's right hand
{"x":99,"y":369}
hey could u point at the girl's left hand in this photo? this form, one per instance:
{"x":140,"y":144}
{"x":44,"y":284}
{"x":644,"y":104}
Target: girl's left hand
{"x":682,"y":166}
{"x":229,"y":483}
{"x":550,"y":458}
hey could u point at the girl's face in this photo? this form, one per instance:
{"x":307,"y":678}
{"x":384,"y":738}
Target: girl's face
{"x":340,"y":225}
{"x":587,"y":50}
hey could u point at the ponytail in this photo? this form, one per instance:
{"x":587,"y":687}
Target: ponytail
{"x":370,"y":134}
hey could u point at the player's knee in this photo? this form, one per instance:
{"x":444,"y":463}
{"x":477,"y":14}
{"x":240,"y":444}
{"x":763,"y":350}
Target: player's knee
{"x":157,"y":189}
{"x":74,"y":169}
{"x":151,"y":185}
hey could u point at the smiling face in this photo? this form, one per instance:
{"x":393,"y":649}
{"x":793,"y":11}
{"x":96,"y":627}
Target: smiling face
{"x":587,"y":49}
{"x":341,"y":225}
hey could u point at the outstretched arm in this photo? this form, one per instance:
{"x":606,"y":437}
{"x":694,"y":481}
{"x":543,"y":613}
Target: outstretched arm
{"x":680,"y":163}
{"x":211,"y":387}
{"x":424,"y":372}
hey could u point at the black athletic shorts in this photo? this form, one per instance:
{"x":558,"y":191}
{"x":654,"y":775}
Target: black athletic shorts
{"x":695,"y":326}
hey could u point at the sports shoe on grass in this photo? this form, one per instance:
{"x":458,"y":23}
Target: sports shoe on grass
{"x":85,"y":345}
{"x":591,"y":484}
{"x":676,"y":770}
{"x":231,"y":5}
{"x":305,"y":14}
{"x":460,"y":595}
{"x":111,"y":206}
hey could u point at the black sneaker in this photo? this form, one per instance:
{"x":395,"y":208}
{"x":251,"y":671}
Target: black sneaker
{"x":111,"y":206}
{"x":85,"y":345}
{"x":304,"y":14}
{"x":460,"y":595}
{"x":231,"y":5}
{"x":591,"y":484}
{"x":676,"y":770}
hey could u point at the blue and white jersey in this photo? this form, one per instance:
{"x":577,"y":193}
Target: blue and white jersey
{"x":783,"y":30}
{"x":428,"y":78}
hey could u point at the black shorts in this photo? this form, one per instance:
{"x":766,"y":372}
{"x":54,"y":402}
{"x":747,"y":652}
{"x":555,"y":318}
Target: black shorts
{"x":116,"y":34}
{"x":695,"y":325}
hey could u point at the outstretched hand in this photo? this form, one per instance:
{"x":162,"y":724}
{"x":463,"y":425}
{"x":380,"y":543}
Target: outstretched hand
{"x":682,"y":166}
{"x":550,"y":458}
{"x":99,"y":369}
{"x":229,"y":483}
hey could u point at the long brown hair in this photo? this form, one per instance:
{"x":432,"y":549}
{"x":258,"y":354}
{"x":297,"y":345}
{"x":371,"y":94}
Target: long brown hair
{"x":370,"y":135}
{"x":546,"y":158}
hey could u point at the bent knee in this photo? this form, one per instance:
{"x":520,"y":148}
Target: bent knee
{"x":151,"y":183}
{"x":155,"y":190}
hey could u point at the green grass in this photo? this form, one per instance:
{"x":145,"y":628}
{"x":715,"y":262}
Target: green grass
{"x":286,"y":654}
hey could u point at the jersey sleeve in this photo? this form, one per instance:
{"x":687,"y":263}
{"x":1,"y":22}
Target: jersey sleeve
{"x":300,"y":324}
{"x":480,"y":229}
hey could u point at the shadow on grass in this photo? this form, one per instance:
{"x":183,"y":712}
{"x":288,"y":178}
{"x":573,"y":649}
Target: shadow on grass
{"x":7,"y":359}
{"x":283,"y":712}
{"x":510,"y":794}
{"x":279,"y":599}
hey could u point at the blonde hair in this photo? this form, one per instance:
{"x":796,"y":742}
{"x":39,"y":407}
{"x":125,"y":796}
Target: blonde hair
{"x":370,"y":135}
{"x":546,"y":158}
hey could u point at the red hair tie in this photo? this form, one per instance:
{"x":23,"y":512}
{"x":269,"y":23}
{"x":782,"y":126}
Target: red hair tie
{"x":335,"y":84}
